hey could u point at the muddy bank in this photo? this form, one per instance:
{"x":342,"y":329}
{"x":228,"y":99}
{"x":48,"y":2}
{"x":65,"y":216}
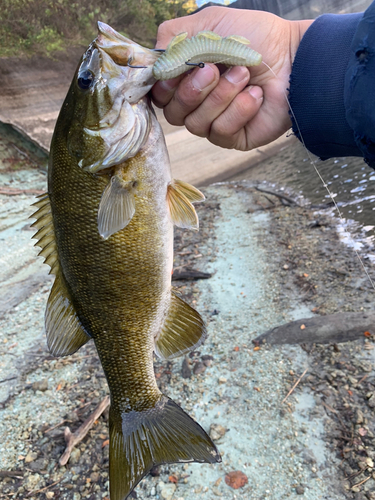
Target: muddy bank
{"x":269,"y":264}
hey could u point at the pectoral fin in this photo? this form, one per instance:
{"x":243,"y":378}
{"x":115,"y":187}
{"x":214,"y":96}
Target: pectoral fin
{"x":116,"y":207}
{"x":65,"y":333}
{"x":181,"y":210}
{"x":183,"y":330}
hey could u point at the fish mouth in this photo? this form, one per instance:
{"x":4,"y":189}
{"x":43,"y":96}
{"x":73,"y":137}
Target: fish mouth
{"x":122,"y":50}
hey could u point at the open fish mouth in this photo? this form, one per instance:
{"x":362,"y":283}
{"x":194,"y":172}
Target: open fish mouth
{"x":116,"y":88}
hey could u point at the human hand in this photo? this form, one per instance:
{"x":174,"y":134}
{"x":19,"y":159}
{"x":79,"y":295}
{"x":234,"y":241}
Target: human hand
{"x":242,"y":108}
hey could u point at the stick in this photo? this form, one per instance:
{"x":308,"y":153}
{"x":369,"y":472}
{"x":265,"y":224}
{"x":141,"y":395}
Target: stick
{"x":74,"y":438}
{"x":295,"y":385}
{"x":359,"y":484}
{"x":278,"y":195}
{"x":11,"y":473}
{"x":31,"y":493}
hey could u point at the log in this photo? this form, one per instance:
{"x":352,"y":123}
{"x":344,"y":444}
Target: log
{"x":339,"y":327}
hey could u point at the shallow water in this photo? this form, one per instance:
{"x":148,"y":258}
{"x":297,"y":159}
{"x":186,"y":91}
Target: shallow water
{"x":350,"y":180}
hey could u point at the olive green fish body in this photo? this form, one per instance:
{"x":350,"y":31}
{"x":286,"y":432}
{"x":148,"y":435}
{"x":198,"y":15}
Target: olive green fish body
{"x":121,"y":286}
{"x":106,"y":230}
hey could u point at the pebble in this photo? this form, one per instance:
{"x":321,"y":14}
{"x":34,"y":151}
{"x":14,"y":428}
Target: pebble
{"x":207,"y":359}
{"x":31,"y":456}
{"x":300,"y":490}
{"x":50,"y":494}
{"x":40,"y":385}
{"x":217,"y":431}
{"x":236,"y":479}
{"x":185,"y":369}
{"x":33,"y":482}
{"x":166,"y":490}
{"x":199,"y":368}
{"x":222,"y":380}
{"x":74,"y":456}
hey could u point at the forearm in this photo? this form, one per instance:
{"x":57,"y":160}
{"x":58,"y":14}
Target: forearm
{"x":331,"y":95}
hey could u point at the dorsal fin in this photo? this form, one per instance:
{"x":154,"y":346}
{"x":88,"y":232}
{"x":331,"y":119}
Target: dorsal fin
{"x":183,"y":330}
{"x":45,"y":235}
{"x":65,"y":333}
{"x":177,"y":39}
{"x":116,"y":207}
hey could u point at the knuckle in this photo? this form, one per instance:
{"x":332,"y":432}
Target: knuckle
{"x":196,"y":126}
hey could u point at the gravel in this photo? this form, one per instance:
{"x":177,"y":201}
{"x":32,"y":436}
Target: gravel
{"x":270,"y":264}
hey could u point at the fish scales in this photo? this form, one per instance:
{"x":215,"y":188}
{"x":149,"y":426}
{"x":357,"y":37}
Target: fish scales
{"x":105,"y":228}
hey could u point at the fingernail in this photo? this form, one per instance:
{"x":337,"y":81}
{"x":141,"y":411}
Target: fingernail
{"x":256,"y":92}
{"x":236,"y":74}
{"x":203,"y":77}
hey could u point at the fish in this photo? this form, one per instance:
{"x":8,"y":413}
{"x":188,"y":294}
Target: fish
{"x":206,"y":46}
{"x":105,"y":228}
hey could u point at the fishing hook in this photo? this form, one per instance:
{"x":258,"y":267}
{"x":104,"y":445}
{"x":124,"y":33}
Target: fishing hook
{"x":198,"y":65}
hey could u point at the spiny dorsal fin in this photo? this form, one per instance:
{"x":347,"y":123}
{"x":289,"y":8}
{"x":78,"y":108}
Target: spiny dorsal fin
{"x":65,"y":333}
{"x":116,"y":207}
{"x":208,"y":34}
{"x":181,"y":210}
{"x":177,"y":39}
{"x":45,"y":235}
{"x":183,"y":330}
{"x":192,"y":193}
{"x":239,"y":39}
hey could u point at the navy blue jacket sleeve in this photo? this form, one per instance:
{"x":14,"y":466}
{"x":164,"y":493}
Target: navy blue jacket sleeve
{"x":332,"y":86}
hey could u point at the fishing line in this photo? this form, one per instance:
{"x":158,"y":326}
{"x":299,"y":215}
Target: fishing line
{"x":313,"y":163}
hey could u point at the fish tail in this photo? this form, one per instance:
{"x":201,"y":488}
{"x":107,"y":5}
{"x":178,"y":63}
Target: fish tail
{"x":139,"y":440}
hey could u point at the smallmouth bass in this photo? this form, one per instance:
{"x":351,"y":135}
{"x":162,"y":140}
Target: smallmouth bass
{"x":106,"y":230}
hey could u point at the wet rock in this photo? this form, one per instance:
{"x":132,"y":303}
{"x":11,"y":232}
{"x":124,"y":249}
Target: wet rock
{"x":185,"y":369}
{"x":40,"y":385}
{"x":199,"y":368}
{"x":217,"y":431}
{"x":236,"y":479}
{"x":155,"y":471}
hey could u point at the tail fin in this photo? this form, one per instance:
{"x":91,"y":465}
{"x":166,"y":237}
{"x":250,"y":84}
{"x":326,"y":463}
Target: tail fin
{"x":140,"y":440}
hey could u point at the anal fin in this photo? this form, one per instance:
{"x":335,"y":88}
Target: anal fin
{"x":65,"y":333}
{"x":163,"y":434}
{"x":183,"y":330}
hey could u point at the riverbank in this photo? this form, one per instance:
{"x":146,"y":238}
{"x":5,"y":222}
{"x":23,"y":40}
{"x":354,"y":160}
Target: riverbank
{"x":269,"y":264}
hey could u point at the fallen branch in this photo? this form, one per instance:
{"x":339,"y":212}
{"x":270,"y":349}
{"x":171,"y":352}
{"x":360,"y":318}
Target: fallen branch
{"x":74,"y":438}
{"x":11,"y":473}
{"x":294,"y":386}
{"x":340,"y":327}
{"x":278,"y":195}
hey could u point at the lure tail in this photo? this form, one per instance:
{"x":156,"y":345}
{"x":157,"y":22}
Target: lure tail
{"x":161,"y":435}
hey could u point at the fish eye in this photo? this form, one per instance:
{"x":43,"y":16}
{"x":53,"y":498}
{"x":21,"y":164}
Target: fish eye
{"x":85,"y":80}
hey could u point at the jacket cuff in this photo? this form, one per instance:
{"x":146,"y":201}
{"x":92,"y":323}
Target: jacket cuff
{"x":317,"y":84}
